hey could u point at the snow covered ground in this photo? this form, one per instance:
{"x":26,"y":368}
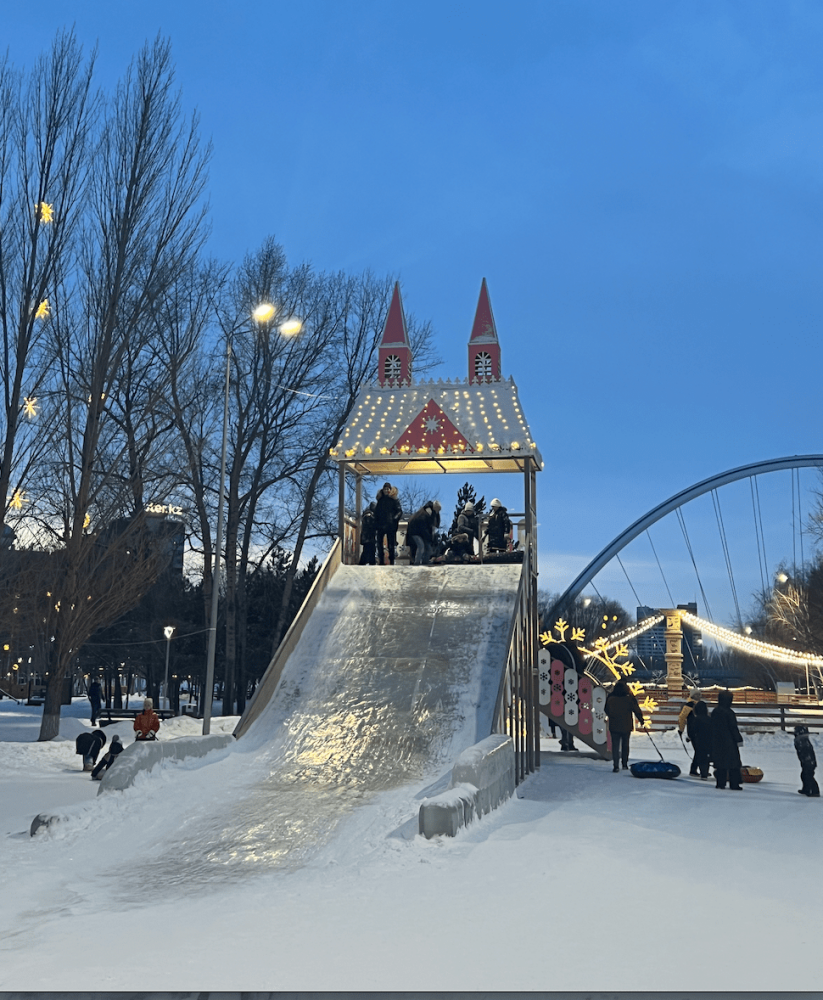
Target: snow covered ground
{"x":587,"y":880}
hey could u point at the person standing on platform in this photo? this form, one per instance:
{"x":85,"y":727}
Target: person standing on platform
{"x":499,"y":528}
{"x":387,"y":514}
{"x":368,"y":536}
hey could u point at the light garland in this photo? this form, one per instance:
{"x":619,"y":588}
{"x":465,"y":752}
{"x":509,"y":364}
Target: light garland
{"x":778,"y":654}
{"x":632,"y":632}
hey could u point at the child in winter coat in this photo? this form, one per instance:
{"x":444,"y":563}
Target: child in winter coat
{"x":108,"y":758}
{"x":700,"y":733}
{"x":808,"y":762}
{"x":147,"y":723}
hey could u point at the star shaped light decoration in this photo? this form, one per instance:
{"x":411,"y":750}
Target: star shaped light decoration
{"x":432,"y":425}
{"x":18,"y":499}
{"x":44,"y":212}
{"x":30,"y":407}
{"x":42,"y":311}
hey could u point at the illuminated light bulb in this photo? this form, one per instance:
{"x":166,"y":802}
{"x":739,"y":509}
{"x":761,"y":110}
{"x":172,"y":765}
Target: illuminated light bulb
{"x":264,"y":312}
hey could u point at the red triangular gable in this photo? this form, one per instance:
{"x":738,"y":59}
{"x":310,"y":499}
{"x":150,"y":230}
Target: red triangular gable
{"x":484,"y":328}
{"x":395,"y":331}
{"x":429,"y":432}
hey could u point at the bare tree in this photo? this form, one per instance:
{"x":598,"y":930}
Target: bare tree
{"x":46,"y":119}
{"x":144,"y":227}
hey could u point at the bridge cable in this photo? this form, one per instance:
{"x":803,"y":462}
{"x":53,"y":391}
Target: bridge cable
{"x":800,"y":523}
{"x":762,"y":536}
{"x":794,"y":533}
{"x":718,"y":513}
{"x":665,"y":582}
{"x":682,"y":521}
{"x":639,"y":602}
{"x":757,"y":539}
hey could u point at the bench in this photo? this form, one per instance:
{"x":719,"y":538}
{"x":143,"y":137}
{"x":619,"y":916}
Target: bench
{"x":108,"y":716}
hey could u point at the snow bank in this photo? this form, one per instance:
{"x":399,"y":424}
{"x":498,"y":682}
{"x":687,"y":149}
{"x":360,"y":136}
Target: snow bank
{"x":482,"y":778}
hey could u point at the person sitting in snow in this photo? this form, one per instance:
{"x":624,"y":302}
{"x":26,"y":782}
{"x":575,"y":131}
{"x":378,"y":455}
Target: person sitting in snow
{"x":108,"y":758}
{"x":808,"y":762}
{"x":146,"y":723}
{"x":90,"y":745}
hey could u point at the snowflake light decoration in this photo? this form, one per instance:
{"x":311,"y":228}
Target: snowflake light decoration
{"x":42,"y":311}
{"x":30,"y":408}
{"x":432,"y":425}
{"x":616,"y":661}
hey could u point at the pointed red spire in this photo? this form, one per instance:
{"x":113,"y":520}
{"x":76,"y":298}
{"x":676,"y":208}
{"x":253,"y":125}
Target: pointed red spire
{"x":484,"y":347}
{"x":484,"y":328}
{"x":394,"y":360}
{"x":395,"y":331}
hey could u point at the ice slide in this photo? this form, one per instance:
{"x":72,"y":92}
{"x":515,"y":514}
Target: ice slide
{"x":385,"y":677}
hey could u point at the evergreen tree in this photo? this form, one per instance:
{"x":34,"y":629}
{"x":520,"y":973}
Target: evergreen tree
{"x":467,"y":494}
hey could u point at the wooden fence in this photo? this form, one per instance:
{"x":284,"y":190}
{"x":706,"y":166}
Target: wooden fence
{"x":756,"y":711}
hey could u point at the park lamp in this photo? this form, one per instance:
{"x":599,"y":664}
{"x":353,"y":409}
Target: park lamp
{"x":262,"y":313}
{"x":168,"y":632}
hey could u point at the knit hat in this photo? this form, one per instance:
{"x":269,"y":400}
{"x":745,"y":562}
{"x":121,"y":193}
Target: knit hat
{"x":496,"y":503}
{"x":801,"y":730}
{"x":696,"y":695}
{"x":469,"y":506}
{"x":115,"y":738}
{"x":436,"y":505}
{"x":147,"y":704}
{"x":387,"y":487}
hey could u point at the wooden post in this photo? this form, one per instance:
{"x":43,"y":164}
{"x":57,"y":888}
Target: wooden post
{"x":341,"y":513}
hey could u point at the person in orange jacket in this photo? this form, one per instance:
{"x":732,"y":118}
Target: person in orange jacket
{"x":146,"y":723}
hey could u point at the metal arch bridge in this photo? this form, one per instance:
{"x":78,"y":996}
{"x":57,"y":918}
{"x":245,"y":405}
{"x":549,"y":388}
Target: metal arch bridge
{"x":673,"y":503}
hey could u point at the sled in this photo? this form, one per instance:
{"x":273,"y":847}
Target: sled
{"x":750,"y":773}
{"x":654,"y":769}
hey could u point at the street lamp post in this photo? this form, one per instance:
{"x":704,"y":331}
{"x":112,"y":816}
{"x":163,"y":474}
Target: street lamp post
{"x":262,"y":314}
{"x":168,"y":632}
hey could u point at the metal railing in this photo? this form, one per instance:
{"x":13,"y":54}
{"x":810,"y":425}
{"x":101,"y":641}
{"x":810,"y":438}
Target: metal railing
{"x":516,"y":710}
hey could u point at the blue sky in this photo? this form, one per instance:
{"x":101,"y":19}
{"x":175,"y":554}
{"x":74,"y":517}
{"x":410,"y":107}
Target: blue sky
{"x":640,"y":183}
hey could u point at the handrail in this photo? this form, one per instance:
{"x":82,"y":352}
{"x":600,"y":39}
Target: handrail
{"x":271,"y":677}
{"x":7,"y":695}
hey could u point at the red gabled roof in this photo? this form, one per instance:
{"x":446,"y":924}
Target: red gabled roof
{"x":395,"y":331}
{"x":484,"y":328}
{"x":430,"y":431}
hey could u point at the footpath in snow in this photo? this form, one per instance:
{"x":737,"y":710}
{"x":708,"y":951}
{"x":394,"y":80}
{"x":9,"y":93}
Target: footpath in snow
{"x":522,"y":900}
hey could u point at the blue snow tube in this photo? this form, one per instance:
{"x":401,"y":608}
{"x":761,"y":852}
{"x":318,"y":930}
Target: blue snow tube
{"x":654,"y":769}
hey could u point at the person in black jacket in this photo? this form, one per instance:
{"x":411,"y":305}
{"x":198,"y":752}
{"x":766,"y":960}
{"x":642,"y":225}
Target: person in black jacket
{"x":421,"y":530}
{"x":700,"y":733}
{"x":90,"y":745}
{"x":499,"y":528}
{"x":387,"y":514}
{"x":108,"y":758}
{"x":726,"y":742}
{"x":95,"y":699}
{"x":368,"y":536}
{"x":621,"y":705}
{"x":808,"y":762}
